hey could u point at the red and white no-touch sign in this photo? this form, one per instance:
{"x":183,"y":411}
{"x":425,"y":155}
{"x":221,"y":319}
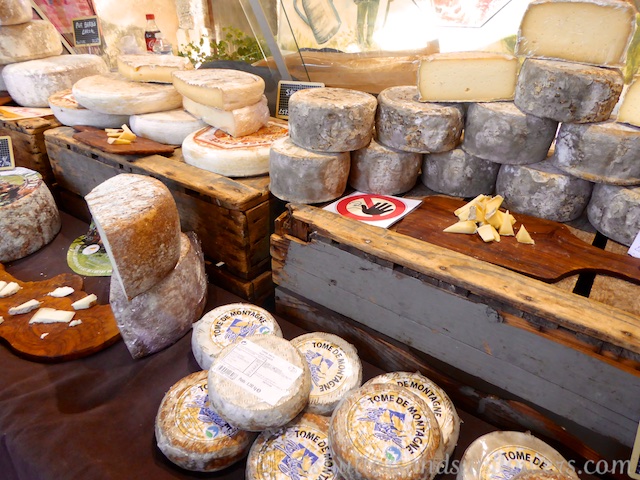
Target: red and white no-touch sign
{"x":369,"y":207}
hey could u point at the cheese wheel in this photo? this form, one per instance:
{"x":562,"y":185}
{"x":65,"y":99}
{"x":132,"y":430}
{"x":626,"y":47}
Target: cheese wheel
{"x":615,"y":212}
{"x":170,"y":127}
{"x":541,"y":475}
{"x":629,"y":106}
{"x":267,"y":395}
{"x":138,"y":222}
{"x":238,"y":122}
{"x":543,"y":190}
{"x":28,"y":41}
{"x":150,"y":67}
{"x":14,"y":12}
{"x":3,"y":87}
{"x":225,"y":325}
{"x":218,"y":152}
{"x":335,"y":369}
{"x":70,"y":113}
{"x":331,"y":119}
{"x":112,"y":93}
{"x":29,"y":217}
{"x":404,"y":123}
{"x":191,"y":434}
{"x":502,"y":133}
{"x":385,"y":431}
{"x":302,"y":176}
{"x":567,"y":92}
{"x":162,"y":315}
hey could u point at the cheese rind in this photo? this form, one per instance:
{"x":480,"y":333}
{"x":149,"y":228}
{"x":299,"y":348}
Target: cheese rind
{"x":151,"y":68}
{"x":28,"y":41}
{"x":15,"y":12}
{"x":170,"y":127}
{"x":237,"y":123}
{"x":68,"y":112}
{"x":615,"y":212}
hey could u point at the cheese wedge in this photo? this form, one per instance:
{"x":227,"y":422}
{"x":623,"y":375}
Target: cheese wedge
{"x":25,"y":307}
{"x":488,"y":233}
{"x":85,"y":302}
{"x":523,"y":236}
{"x":468,"y":227}
{"x":51,"y":315}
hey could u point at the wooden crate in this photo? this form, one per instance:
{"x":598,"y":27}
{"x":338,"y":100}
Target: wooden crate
{"x":232,"y":218}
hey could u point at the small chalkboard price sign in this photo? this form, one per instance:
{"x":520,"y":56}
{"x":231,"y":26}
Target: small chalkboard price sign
{"x":285,"y":90}
{"x":86,"y":31}
{"x":7,"y":162}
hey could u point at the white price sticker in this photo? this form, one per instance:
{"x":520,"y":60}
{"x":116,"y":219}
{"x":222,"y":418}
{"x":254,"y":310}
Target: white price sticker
{"x":634,"y":249}
{"x":634,"y":465}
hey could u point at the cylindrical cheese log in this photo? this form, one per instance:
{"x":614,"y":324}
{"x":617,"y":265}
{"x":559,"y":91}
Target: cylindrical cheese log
{"x":615,"y":212}
{"x":170,"y":127}
{"x":151,"y":68}
{"x":606,"y":152}
{"x":28,"y":41}
{"x":14,"y":12}
{"x":302,"y":176}
{"x":379,"y":169}
{"x":567,"y":92}
{"x":502,"y":133}
{"x":404,"y":123}
{"x":459,"y":174}
{"x":68,"y":112}
{"x":237,"y":123}
{"x":543,"y":190}
{"x":331,"y":119}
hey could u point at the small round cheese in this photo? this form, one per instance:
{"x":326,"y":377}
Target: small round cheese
{"x":15,"y":12}
{"x":151,"y":68}
{"x":70,"y":113}
{"x":615,"y":212}
{"x":225,"y":325}
{"x":170,"y":127}
{"x":335,"y":369}
{"x":28,"y":41}
{"x":191,"y":434}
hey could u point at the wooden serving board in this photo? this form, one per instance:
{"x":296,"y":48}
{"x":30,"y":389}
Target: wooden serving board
{"x":95,"y":137}
{"x":557,"y":252}
{"x":98,"y":329}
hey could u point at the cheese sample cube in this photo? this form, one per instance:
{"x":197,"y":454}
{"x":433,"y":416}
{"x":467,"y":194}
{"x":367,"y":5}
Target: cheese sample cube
{"x":237,"y":123}
{"x":629,"y":111}
{"x":597,"y":32}
{"x":151,"y":68}
{"x":170,"y":127}
{"x":615,"y":212}
{"x":69,"y":112}
{"x":467,"y":77}
{"x":14,"y":12}
{"x":28,"y":41}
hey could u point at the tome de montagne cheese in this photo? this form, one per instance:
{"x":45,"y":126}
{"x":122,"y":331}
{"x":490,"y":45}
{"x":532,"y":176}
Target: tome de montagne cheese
{"x":541,"y":475}
{"x":70,"y":113}
{"x":28,"y":41}
{"x":14,"y":12}
{"x":331,"y":119}
{"x":170,"y":127}
{"x":615,"y":212}
{"x":404,"y":123}
{"x":238,"y":122}
{"x":150,"y":67}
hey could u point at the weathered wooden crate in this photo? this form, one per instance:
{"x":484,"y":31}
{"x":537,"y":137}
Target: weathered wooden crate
{"x":232,"y":218}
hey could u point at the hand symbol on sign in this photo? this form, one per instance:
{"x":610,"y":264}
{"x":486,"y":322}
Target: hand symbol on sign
{"x":378,"y":208}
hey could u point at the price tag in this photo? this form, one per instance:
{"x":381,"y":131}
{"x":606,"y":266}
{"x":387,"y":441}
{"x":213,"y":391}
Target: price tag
{"x":634,"y":249}
{"x":285,"y":90}
{"x":86,"y":31}
{"x":7,"y":161}
{"x":634,"y":465}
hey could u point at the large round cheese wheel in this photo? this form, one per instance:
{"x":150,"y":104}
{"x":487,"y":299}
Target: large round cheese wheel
{"x":331,"y":119}
{"x":70,"y":113}
{"x":259,"y":382}
{"x":170,"y":127}
{"x":150,"y":67}
{"x":541,"y":475}
{"x":14,"y":12}
{"x":238,"y":122}
{"x":615,"y":212}
{"x":191,"y":434}
{"x":3,"y":87}
{"x":29,"y":217}
{"x":28,"y":41}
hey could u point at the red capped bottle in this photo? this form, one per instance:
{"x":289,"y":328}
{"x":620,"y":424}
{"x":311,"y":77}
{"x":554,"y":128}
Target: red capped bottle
{"x":150,"y":31}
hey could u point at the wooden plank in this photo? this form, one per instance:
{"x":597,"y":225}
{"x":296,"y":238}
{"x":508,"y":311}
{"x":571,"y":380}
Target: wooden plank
{"x":257,"y":290}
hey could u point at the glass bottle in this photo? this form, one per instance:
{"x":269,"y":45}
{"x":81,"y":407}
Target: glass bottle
{"x":161,"y":45}
{"x":150,"y":31}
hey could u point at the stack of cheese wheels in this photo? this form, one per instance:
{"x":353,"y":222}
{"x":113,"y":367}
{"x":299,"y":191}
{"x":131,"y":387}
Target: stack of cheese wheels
{"x":158,"y":286}
{"x":69,"y":112}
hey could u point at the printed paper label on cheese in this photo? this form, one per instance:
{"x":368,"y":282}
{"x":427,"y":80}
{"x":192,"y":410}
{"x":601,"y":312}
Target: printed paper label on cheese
{"x":258,"y":371}
{"x":634,"y":249}
{"x":241,"y":322}
{"x":214,"y":138}
{"x":328,"y":365}
{"x":509,"y":460}
{"x":17,"y":183}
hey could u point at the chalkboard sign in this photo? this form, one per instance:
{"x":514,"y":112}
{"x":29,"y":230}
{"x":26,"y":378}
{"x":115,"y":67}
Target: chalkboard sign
{"x":7,"y":162}
{"x":86,"y":31}
{"x":285,"y":90}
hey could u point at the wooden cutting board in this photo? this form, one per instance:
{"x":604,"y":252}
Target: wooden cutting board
{"x":557,"y":252}
{"x":95,"y":137}
{"x":97,"y":331}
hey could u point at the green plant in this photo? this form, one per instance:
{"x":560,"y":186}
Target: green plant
{"x":234,"y":45}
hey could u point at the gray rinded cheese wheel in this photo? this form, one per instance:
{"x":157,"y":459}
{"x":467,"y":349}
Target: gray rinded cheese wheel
{"x":379,"y":169}
{"x":302,"y":176}
{"x":68,"y":112}
{"x":191,"y":434}
{"x":170,"y":127}
{"x":605,"y":152}
{"x":567,"y":92}
{"x":28,"y":41}
{"x":543,"y":190}
{"x":15,"y":12}
{"x":159,"y":317}
{"x":404,"y":123}
{"x":615,"y":212}
{"x":502,"y":133}
{"x":331,"y":119}
{"x":459,"y":174}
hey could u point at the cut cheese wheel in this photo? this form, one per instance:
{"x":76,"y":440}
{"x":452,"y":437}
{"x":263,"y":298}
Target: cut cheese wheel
{"x":213,"y":150}
{"x":331,"y":119}
{"x":567,"y":92}
{"x":220,"y":88}
{"x":543,"y":190}
{"x":302,"y":176}
{"x":138,"y":222}
{"x":29,"y":217}
{"x":70,"y":113}
{"x":385,"y":431}
{"x":238,"y":122}
{"x":629,"y":107}
{"x":112,"y":93}
{"x":170,"y":127}
{"x":268,"y":395}
{"x":191,"y":434}
{"x":14,"y":12}
{"x":28,"y":41}
{"x":225,"y":325}
{"x":502,"y":133}
{"x":151,"y":68}
{"x":615,"y":212}
{"x":566,"y":30}
{"x":404,"y":123}
{"x":335,"y":369}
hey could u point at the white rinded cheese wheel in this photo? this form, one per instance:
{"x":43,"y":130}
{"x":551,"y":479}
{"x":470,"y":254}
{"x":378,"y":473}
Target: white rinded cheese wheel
{"x":436,"y":398}
{"x":300,"y":446}
{"x":302,"y":176}
{"x":29,"y":217}
{"x":335,"y":369}
{"x":237,"y":123}
{"x":615,"y":212}
{"x":225,"y":325}
{"x":138,"y":222}
{"x":162,"y":315}
{"x":567,"y":92}
{"x":15,"y":12}
{"x":150,"y":67}
{"x":543,"y":190}
{"x":379,"y":169}
{"x":502,"y":133}
{"x":170,"y":127}
{"x":213,"y":150}
{"x":404,"y":123}
{"x":385,"y":431}
{"x":28,"y":41}
{"x":191,"y":434}
{"x":331,"y":119}
{"x":268,"y":396}
{"x":70,"y":113}
{"x":112,"y":93}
